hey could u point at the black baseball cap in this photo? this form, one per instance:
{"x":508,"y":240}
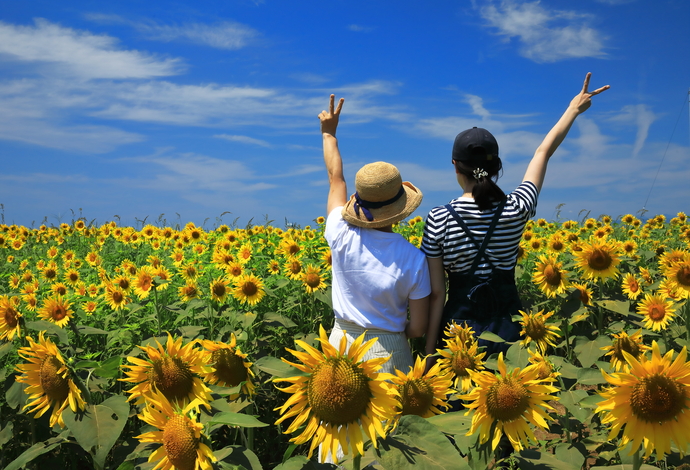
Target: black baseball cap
{"x":475,"y":146}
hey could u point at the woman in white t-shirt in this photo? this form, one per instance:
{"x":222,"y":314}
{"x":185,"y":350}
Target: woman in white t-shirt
{"x":377,"y":275}
{"x":480,"y":268}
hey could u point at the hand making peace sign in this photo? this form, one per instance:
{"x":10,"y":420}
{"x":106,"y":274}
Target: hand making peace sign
{"x":329,"y":119}
{"x":584,"y":99}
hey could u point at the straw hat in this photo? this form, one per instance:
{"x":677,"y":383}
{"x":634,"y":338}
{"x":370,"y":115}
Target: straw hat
{"x":381,"y":197}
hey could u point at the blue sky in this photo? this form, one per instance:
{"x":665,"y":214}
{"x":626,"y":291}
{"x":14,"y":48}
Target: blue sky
{"x":135,"y":109}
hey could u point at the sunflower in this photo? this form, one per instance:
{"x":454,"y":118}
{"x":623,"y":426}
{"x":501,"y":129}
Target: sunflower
{"x":465,"y":333}
{"x":249,"y":289}
{"x":535,"y":328}
{"x":288,"y":247}
{"x":89,"y":307}
{"x":422,"y":394}
{"x":584,"y":292}
{"x":116,"y":297}
{"x":220,"y":289}
{"x":629,"y":247}
{"x":458,"y":360}
{"x":338,"y":393}
{"x":229,"y":367}
{"x":556,"y":244}
{"x":549,"y":276}
{"x":293,"y":269}
{"x":143,"y":281}
{"x":505,"y":402}
{"x":647,"y":276}
{"x":48,"y":379}
{"x":174,"y":371}
{"x":188,"y":291}
{"x":182,"y":443}
{"x":326,"y":257}
{"x":631,"y":286}
{"x":544,"y":365}
{"x":273,"y":267}
{"x":649,"y":403}
{"x":9,"y":318}
{"x":312,"y":279}
{"x":234,"y":269}
{"x":50,"y":272}
{"x":72,"y":277}
{"x":56,"y":310}
{"x":189,"y":271}
{"x":59,"y":288}
{"x":598,"y":259}
{"x":678,"y":276}
{"x":623,"y":343}
{"x":657,"y":311}
{"x":244,"y":254}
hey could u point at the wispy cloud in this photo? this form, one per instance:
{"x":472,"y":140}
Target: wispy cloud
{"x":545,"y":35}
{"x":640,"y":116}
{"x":243,"y":139}
{"x":360,"y":29}
{"x":80,"y":54}
{"x":222,"y":35}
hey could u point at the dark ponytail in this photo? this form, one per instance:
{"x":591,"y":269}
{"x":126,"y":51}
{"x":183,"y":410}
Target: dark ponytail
{"x":485,"y":191}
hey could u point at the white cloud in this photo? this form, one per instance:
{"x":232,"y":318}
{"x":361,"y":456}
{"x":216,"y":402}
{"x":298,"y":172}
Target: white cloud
{"x":223,"y":35}
{"x":545,"y":35}
{"x":79,"y":54}
{"x":243,"y":139}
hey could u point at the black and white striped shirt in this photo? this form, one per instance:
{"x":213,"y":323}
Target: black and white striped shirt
{"x":443,"y":237}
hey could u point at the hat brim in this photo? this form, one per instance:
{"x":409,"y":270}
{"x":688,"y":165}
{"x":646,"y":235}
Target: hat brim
{"x":387,"y":215}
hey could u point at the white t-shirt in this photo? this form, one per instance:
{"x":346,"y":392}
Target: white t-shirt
{"x":374,"y":274}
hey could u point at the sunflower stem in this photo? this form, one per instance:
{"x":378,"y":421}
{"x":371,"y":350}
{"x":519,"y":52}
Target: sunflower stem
{"x":637,"y":460}
{"x":686,"y":315}
{"x":356,"y":462}
{"x":155,"y":307}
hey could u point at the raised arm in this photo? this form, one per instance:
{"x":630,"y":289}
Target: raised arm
{"x":537,"y":167}
{"x":337,"y":193}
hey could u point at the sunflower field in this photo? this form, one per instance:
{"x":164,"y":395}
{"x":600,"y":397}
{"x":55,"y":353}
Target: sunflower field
{"x":189,"y":348}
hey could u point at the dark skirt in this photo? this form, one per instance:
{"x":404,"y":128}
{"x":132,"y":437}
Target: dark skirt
{"x":491,"y":307}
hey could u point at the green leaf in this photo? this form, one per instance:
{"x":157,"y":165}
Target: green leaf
{"x":191,"y":331}
{"x":15,"y":396}
{"x":37,"y":449}
{"x":588,"y":351}
{"x":240,"y":458}
{"x":591,"y":401}
{"x":50,"y":328}
{"x":452,"y":423}
{"x":86,"y":364}
{"x":590,"y":377}
{"x":644,"y":466}
{"x":89,"y":330}
{"x":110,"y":368}
{"x":302,"y":463}
{"x":573,"y":454}
{"x":6,"y":434}
{"x":517,"y":355}
{"x":617,"y":306}
{"x":419,"y":445}
{"x":493,"y":337}
{"x":272,"y":317}
{"x":571,"y":400}
{"x":534,"y":460}
{"x":565,"y":368}
{"x":99,"y":426}
{"x":277,"y":368}
{"x":6,"y":348}
{"x":237,"y":419}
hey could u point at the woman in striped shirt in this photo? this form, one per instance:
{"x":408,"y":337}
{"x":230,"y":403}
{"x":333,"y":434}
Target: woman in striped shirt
{"x":481,"y":289}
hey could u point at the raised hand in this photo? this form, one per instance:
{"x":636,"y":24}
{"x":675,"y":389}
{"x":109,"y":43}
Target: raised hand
{"x":583,"y":100}
{"x":329,"y":119}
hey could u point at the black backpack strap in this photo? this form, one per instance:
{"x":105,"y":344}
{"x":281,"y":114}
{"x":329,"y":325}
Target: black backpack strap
{"x":480,"y":248}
